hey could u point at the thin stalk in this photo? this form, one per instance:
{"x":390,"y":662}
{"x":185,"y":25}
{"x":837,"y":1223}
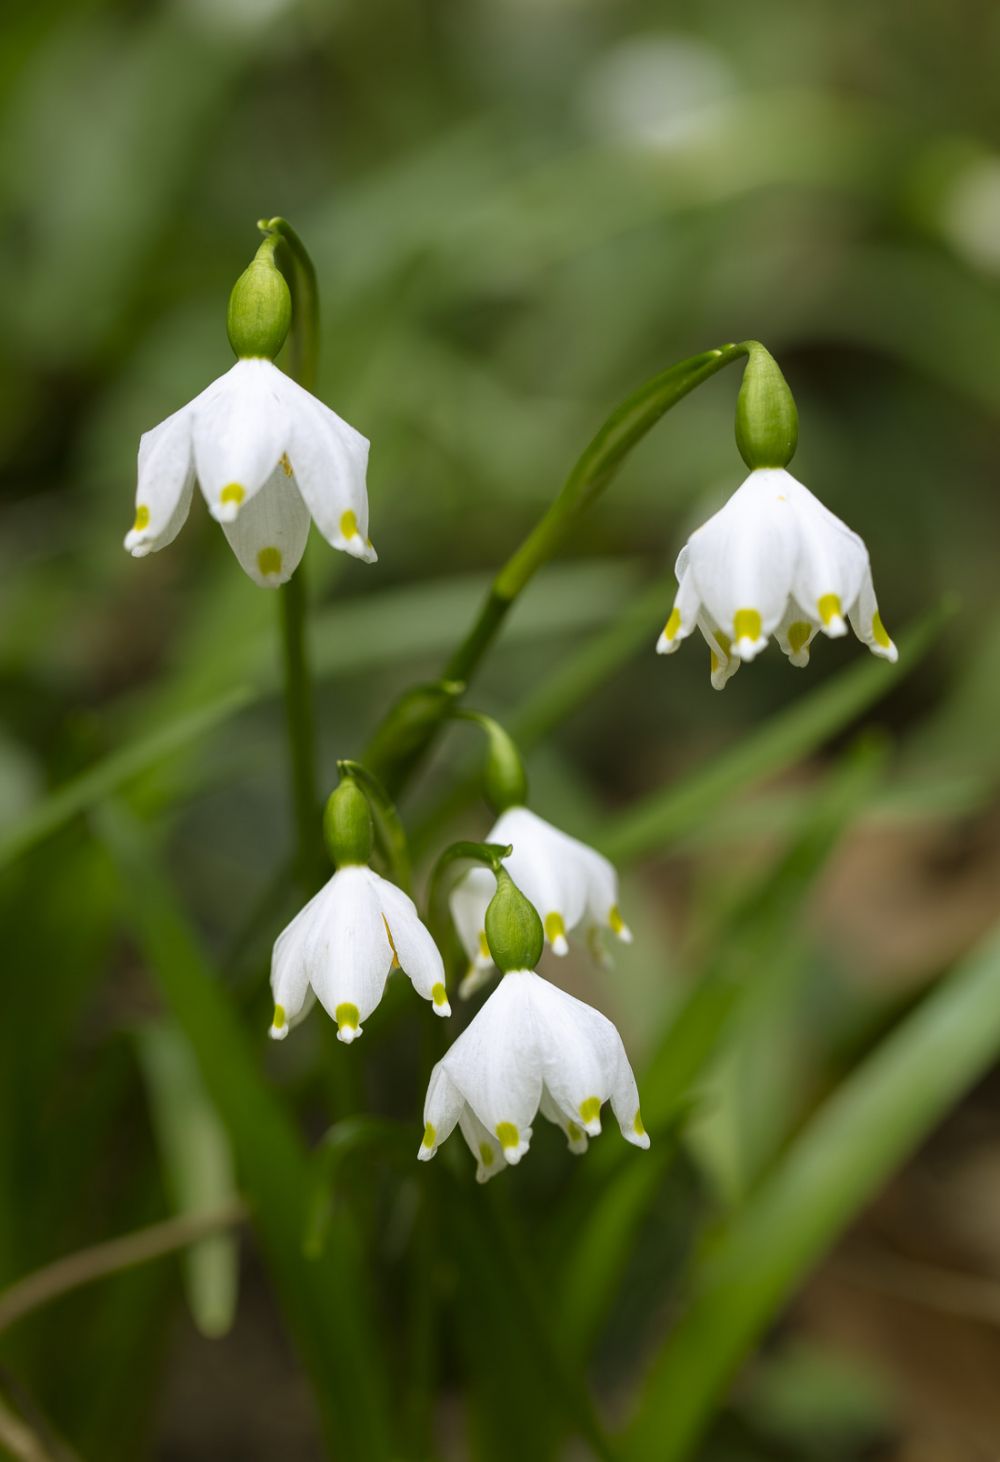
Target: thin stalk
{"x":303,"y":359}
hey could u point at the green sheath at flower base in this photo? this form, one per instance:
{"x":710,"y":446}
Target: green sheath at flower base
{"x":347,"y":825}
{"x":260,"y":307}
{"x":767,"y":423}
{"x":513,"y":929}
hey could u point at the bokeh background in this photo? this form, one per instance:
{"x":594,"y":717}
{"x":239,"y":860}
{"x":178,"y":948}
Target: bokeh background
{"x":519,"y":209}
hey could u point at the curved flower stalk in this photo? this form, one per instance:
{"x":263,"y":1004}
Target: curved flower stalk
{"x":569,"y":883}
{"x":341,"y":947}
{"x":268,"y":457}
{"x":773,"y":561}
{"x":531,"y":1048}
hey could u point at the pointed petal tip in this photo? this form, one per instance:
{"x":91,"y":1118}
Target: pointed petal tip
{"x":665,"y":646}
{"x":278,"y":1032}
{"x":444,"y":1009}
{"x":747,"y":649}
{"x":836,"y":628}
{"x":348,"y":1033}
{"x":560,"y":946}
{"x":424,"y":1154}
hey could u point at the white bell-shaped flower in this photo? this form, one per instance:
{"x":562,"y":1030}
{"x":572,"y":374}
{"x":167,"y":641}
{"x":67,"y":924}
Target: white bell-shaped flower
{"x":773,"y":561}
{"x":341,"y":947}
{"x":530,"y":1048}
{"x":268,"y":456}
{"x":568,"y":883}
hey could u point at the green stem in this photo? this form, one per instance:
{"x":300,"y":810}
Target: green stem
{"x":301,"y":727}
{"x":596,"y":468}
{"x":303,"y":358}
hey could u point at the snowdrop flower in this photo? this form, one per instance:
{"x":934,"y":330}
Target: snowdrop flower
{"x":530,"y":1048}
{"x":342,"y":946}
{"x":773,"y":561}
{"x":267,"y":455}
{"x":567,"y":882}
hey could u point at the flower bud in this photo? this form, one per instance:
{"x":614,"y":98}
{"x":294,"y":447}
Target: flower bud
{"x":513,"y":928}
{"x":767,"y":423}
{"x":347,"y":825}
{"x":505,"y":783}
{"x":260,"y":307}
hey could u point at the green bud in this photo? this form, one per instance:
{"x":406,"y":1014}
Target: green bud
{"x":260,"y":307}
{"x":767,"y":423}
{"x":347,"y":825}
{"x":505,"y":783}
{"x":513,"y":928}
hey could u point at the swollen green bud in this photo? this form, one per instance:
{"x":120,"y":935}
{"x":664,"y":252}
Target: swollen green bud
{"x":513,"y":928}
{"x":260,"y":307}
{"x":767,"y":423}
{"x":347,"y":825}
{"x":505,"y":783}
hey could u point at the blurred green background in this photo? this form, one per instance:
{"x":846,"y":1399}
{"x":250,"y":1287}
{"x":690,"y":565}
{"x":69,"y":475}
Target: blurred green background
{"x":518,"y":209}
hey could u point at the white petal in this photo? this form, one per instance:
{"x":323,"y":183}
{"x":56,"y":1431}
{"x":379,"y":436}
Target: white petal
{"x":684,"y":614}
{"x":483,"y":1145}
{"x":240,"y":434}
{"x":415,"y":950}
{"x":579,"y":1054}
{"x":832,"y":561}
{"x":722,"y":664}
{"x":795,"y":634}
{"x":546,"y":867}
{"x":292,"y":963}
{"x":269,"y":535}
{"x":330,"y":462}
{"x":867,"y":622}
{"x":165,"y":484}
{"x":576,"y":1137}
{"x":442,"y":1109}
{"x":352,"y":955}
{"x":468,"y":902}
{"x":744,"y":557}
{"x":495,"y":1064}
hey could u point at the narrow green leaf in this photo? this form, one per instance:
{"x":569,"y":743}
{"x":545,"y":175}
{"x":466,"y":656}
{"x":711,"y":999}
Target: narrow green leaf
{"x":325,"y":1301}
{"x":198,"y":1168}
{"x":848,"y":1150}
{"x":785,"y":739}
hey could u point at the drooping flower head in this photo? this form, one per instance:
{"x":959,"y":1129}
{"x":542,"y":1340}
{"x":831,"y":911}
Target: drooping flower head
{"x":531,"y":1048}
{"x":569,"y":884}
{"x":266,"y":454}
{"x":343,"y":945}
{"x":773,"y":560}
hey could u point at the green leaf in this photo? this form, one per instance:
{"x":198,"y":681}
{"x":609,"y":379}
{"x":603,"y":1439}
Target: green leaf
{"x":198,"y":1167}
{"x":852,"y":1145}
{"x":325,"y":1301}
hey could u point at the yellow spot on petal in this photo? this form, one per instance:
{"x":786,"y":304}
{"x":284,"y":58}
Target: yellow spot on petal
{"x":484,"y":947}
{"x":573,"y":1132}
{"x":395,"y":956}
{"x":637,"y":1126}
{"x":279,"y":1017}
{"x":798,"y":635}
{"x":141,"y":519}
{"x":486,"y":1154}
{"x":615,"y":919}
{"x":269,"y":561}
{"x":507,"y":1134}
{"x":673,"y":624}
{"x":590,"y":1109}
{"x":746,"y":625}
{"x":429,"y":1135}
{"x":286,"y":466}
{"x":555,"y":927}
{"x":439,"y":994}
{"x":347,"y":1015}
{"x":879,"y":632}
{"x":349,"y":524}
{"x":829,"y":608}
{"x":233,"y":492}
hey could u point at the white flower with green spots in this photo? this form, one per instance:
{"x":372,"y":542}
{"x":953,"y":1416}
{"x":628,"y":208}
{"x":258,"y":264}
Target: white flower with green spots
{"x":531,"y":1048}
{"x":775,"y":561}
{"x":268,"y":456}
{"x":341,"y":948}
{"x":568,"y":883}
